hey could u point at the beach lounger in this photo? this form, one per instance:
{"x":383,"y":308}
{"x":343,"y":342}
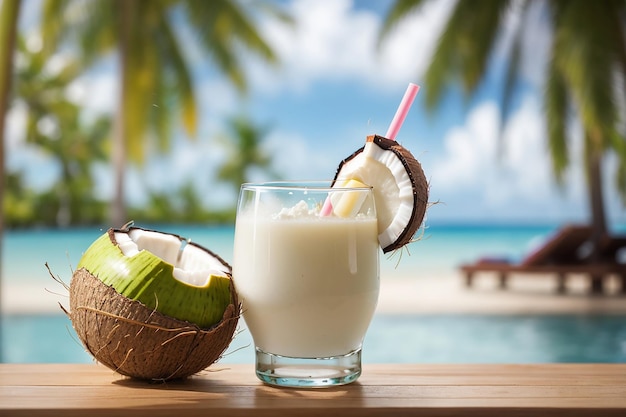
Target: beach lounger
{"x":566,"y":252}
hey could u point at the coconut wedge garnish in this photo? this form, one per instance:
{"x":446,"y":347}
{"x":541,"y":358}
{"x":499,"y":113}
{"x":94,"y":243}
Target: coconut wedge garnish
{"x":152,"y":305}
{"x":399,"y":185}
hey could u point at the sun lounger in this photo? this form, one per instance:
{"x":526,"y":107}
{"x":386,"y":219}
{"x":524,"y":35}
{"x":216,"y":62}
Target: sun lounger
{"x":565,"y":253}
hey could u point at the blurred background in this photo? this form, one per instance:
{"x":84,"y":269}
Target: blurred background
{"x":157,"y":110}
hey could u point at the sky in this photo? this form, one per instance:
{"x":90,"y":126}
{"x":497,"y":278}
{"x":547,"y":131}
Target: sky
{"x":332,"y":89}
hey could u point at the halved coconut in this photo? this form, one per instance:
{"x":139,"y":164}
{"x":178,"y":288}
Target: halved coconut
{"x":151,"y":305}
{"x":399,"y":185}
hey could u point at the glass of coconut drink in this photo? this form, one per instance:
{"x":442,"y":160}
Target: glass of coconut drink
{"x":309,"y":282}
{"x":306,"y":259}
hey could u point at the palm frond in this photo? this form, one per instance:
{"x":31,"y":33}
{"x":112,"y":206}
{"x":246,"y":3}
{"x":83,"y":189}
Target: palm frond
{"x":272,"y":9}
{"x":556,"y":108}
{"x":400,"y":10}
{"x":52,"y":26}
{"x":92,"y":22}
{"x":586,"y":61}
{"x":223,"y":27}
{"x":464,"y":47}
{"x":514,"y":63}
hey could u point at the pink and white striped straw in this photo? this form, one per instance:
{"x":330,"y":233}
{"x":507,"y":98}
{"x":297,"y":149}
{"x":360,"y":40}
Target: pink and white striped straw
{"x":403,"y":110}
{"x":392,"y":132}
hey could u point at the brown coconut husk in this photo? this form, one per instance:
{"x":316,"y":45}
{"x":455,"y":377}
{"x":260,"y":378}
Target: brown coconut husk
{"x":418,"y":181}
{"x":138,"y":342}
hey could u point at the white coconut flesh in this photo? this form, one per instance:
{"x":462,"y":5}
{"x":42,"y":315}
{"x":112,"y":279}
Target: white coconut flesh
{"x":163,"y":271}
{"x":399,"y":186}
{"x":192,"y":265}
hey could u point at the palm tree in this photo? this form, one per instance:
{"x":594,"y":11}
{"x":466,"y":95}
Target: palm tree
{"x":244,"y":152}
{"x":9,"y":12}
{"x":154,"y":77}
{"x":585,"y":76}
{"x":74,"y":144}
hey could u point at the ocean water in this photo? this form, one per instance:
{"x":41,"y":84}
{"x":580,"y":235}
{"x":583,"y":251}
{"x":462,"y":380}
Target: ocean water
{"x":440,"y":249}
{"x":391,"y":338}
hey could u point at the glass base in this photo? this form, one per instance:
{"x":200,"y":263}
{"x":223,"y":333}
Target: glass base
{"x":286,"y":371}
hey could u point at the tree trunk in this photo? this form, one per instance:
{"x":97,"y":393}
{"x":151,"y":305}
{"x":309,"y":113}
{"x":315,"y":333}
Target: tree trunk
{"x":598,"y":217}
{"x":9,"y":13}
{"x":596,"y":195}
{"x":118,"y":208}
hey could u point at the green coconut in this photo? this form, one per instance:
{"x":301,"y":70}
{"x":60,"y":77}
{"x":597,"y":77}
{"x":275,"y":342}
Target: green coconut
{"x":153,"y":305}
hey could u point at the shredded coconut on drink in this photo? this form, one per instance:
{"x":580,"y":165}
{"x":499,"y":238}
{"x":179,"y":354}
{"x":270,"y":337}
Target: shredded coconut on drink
{"x":299,"y":211}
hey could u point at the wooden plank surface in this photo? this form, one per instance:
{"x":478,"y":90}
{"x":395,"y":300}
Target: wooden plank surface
{"x":401,"y":389}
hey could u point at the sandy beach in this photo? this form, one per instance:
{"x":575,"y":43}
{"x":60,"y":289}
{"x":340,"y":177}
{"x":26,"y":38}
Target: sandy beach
{"x":445,"y":294}
{"x":525,"y":295}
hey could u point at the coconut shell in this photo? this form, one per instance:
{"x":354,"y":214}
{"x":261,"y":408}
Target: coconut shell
{"x":418,"y":180}
{"x":139,"y":342}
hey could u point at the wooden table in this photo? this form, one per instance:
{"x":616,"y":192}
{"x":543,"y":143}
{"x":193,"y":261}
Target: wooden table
{"x":388,"y":390}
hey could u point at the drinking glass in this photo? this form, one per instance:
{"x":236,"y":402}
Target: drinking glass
{"x":308,"y":282}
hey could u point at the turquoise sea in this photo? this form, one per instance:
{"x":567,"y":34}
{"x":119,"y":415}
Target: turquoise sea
{"x":440,"y":249}
{"x":39,"y":338}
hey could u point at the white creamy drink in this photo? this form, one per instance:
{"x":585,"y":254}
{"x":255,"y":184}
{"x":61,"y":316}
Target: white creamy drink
{"x":309,"y":284}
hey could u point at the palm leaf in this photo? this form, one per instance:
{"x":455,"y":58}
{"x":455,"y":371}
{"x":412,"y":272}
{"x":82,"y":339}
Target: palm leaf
{"x":556,"y":108}
{"x":514,"y":63}
{"x":223,"y":28}
{"x":400,"y":10}
{"x":464,"y":47}
{"x":591,"y":84}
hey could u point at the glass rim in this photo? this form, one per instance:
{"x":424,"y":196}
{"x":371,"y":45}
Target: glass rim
{"x":304,"y":185}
